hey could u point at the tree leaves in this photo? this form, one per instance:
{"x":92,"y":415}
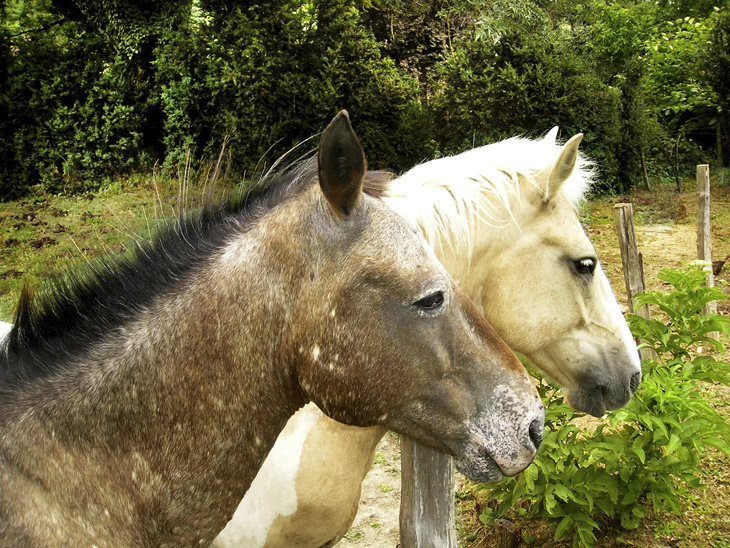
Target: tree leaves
{"x":174,"y":79}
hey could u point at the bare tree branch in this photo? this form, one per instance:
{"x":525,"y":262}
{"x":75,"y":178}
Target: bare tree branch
{"x":44,"y":28}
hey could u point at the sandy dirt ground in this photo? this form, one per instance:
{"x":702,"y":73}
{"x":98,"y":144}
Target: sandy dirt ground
{"x":663,"y":246}
{"x":376,"y":523}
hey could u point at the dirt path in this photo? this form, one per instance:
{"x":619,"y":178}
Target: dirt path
{"x":665,"y":246}
{"x":376,"y":523}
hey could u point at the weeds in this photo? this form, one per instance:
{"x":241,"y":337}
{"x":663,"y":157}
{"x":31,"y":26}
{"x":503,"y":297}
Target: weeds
{"x":646,"y":455}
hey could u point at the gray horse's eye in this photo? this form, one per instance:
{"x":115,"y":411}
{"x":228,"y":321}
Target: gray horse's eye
{"x":431,"y":302}
{"x":586,"y":265}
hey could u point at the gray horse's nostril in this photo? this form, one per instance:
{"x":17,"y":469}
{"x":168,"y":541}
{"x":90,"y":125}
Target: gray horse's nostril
{"x":635,"y":381}
{"x":535,"y":432}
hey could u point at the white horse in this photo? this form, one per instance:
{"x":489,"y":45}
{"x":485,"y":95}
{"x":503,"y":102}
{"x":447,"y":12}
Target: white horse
{"x":502,"y":220}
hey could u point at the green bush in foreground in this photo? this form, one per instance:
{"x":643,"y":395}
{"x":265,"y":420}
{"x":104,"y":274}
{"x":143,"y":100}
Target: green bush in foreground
{"x":645,"y":455}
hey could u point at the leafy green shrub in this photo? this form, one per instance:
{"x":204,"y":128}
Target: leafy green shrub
{"x":533,"y":77}
{"x":100,"y":89}
{"x":73,"y":113}
{"x":646,"y":454}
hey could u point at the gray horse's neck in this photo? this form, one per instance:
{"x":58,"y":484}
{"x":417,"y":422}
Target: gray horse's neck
{"x":155,"y":438}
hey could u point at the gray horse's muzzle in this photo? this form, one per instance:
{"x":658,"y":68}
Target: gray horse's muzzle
{"x":504,"y":439}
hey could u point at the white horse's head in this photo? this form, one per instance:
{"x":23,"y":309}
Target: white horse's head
{"x":502,"y":219}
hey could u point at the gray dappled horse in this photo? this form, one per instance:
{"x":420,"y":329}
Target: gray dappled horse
{"x":139,"y":399}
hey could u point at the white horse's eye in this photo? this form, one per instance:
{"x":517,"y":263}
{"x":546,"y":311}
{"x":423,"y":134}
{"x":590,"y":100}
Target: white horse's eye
{"x":586,"y":265}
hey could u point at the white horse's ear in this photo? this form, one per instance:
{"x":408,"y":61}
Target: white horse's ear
{"x":552,"y":135}
{"x":562,"y":168}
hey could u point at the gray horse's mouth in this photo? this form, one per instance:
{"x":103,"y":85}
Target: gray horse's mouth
{"x":504,"y":439}
{"x":480,"y":467}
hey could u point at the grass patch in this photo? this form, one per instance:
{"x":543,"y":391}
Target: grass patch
{"x":43,"y":234}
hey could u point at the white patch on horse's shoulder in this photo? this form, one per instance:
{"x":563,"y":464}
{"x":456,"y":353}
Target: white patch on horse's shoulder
{"x":252,"y":520}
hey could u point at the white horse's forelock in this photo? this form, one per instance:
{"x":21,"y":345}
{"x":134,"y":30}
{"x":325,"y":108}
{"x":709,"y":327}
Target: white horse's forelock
{"x":481,"y":185}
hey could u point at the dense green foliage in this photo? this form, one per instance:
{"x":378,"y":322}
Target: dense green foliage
{"x":96,"y":89}
{"x":646,"y":454}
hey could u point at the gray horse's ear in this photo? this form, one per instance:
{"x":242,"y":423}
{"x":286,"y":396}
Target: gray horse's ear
{"x":562,"y":168}
{"x":341,"y":164}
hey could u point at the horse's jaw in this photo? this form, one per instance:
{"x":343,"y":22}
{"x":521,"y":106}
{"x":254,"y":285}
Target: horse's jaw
{"x":590,"y":352}
{"x":597,"y":397}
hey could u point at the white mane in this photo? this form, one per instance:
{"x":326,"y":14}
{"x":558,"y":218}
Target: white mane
{"x":446,"y":196}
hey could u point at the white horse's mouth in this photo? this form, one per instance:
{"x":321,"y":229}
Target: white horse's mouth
{"x":599,"y":398}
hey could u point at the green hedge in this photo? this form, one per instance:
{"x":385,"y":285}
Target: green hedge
{"x":98,"y":90}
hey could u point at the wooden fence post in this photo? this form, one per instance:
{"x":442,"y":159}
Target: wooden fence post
{"x":704,"y":238}
{"x":427,"y":512}
{"x":633,"y":265}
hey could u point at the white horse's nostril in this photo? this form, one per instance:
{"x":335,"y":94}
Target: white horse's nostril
{"x":635,"y":381}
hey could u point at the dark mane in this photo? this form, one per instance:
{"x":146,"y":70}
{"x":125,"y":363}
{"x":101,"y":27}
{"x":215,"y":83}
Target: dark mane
{"x":76,"y":310}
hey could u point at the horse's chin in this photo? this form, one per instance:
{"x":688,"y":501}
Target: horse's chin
{"x":598,"y":399}
{"x":590,"y":402}
{"x":497,"y":450}
{"x":481,"y":468}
